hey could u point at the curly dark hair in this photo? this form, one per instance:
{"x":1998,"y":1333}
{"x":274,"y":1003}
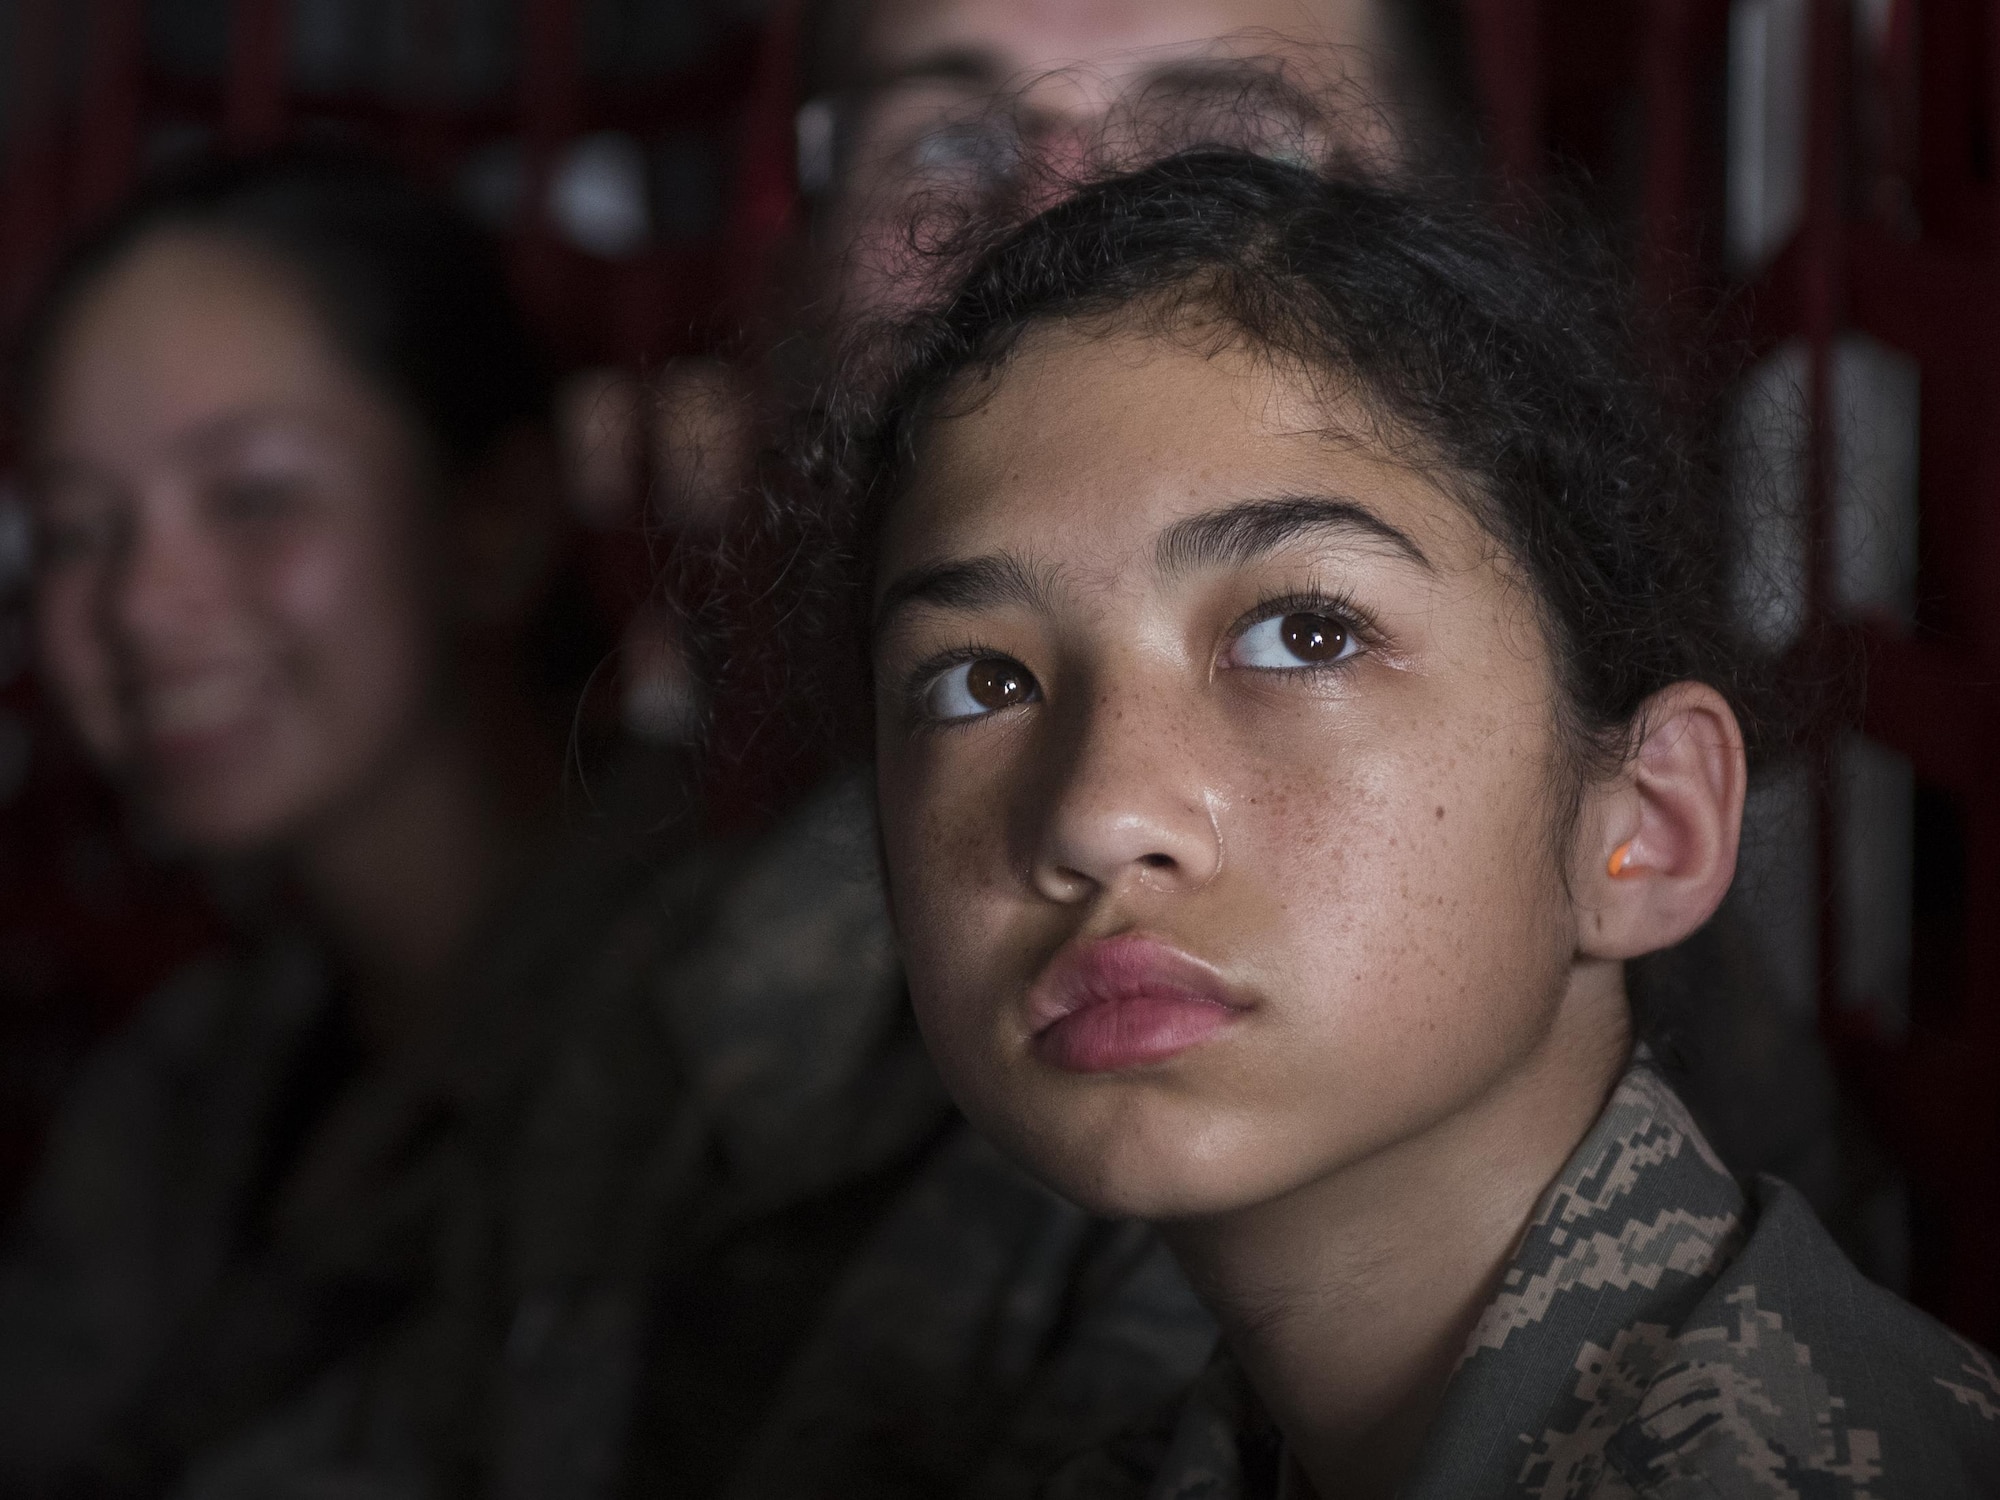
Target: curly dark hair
{"x":1511,"y":368}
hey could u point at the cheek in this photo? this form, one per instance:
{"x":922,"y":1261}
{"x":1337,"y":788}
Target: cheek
{"x":935,"y":840}
{"x":1429,"y":827}
{"x":78,"y":661}
{"x":944,"y":833}
{"x":1407,"y":887}
{"x":350,"y":603}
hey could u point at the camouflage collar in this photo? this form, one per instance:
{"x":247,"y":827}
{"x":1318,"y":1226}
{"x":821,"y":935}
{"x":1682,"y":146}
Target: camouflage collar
{"x":1633,"y":1229}
{"x":1661,"y":1332}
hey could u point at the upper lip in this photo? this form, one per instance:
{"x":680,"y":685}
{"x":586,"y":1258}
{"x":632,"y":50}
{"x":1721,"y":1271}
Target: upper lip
{"x":1102,"y":970}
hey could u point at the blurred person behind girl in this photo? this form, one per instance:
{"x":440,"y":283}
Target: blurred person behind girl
{"x":1306,"y":667}
{"x":869,"y":112}
{"x":865,"y":107}
{"x":907,"y":100}
{"x":459,"y":1144}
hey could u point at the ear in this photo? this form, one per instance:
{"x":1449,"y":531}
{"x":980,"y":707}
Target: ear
{"x":1669,"y":821}
{"x":506,"y":531}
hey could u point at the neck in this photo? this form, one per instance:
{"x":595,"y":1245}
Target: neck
{"x":402,"y":876}
{"x":1349,"y":1301}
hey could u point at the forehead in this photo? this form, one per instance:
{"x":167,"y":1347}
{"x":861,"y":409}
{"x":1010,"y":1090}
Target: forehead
{"x":185,"y":330}
{"x":1015,"y":40}
{"x":1088,"y":444}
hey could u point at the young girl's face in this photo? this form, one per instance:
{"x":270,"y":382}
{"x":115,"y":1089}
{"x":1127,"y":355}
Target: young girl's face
{"x":1221,"y":787}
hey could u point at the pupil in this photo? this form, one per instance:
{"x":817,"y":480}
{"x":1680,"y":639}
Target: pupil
{"x":994,"y":683}
{"x":1313,"y":637}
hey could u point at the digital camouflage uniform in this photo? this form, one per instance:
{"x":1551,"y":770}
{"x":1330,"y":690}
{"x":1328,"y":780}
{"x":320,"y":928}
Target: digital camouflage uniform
{"x":1661,"y":1332}
{"x":681,"y":1140}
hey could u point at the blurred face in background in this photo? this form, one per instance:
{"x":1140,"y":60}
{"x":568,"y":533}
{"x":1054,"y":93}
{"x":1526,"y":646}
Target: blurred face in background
{"x":955,"y":97}
{"x":233,"y":550}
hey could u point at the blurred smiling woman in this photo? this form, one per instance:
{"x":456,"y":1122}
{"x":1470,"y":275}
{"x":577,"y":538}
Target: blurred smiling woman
{"x":426,"y":1183}
{"x":291,"y":484}
{"x":1305,"y":674}
{"x":296,"y":528}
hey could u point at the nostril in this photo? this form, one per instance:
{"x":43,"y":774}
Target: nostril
{"x":1157,"y":861}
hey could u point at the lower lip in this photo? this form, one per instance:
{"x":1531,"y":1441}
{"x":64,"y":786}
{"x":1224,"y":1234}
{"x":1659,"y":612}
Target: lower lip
{"x":220,"y":751}
{"x":1130,"y":1032}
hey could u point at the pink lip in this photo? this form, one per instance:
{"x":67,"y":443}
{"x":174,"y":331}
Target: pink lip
{"x":1124,"y":1002}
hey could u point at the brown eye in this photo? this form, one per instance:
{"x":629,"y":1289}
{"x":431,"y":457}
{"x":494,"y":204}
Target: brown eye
{"x":1313,"y":637}
{"x":996,"y":683}
{"x":975,"y":688}
{"x":1289,"y":642}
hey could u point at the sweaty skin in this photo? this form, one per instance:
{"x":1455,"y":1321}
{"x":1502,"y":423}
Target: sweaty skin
{"x":1094,"y":724}
{"x":1362,"y":851}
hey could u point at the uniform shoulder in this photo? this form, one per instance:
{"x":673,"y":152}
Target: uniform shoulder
{"x":1898,"y":1358}
{"x":1793,"y":1374}
{"x":220,"y":1025}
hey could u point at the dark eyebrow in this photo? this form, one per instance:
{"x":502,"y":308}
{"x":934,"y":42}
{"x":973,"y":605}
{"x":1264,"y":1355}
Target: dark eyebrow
{"x":1237,"y":533}
{"x":966,"y":584}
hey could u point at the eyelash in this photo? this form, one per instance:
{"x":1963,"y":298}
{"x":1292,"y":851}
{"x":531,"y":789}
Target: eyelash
{"x":1335,"y":604}
{"x":918,"y":679}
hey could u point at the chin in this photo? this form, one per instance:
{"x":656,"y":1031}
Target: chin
{"x":1156,"y":1191}
{"x":223,"y":823}
{"x":1152,"y":1193}
{"x":1148,"y":1158}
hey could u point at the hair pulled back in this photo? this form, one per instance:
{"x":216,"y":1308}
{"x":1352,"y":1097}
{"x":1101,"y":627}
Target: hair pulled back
{"x":1512,"y":377}
{"x":408,"y":289}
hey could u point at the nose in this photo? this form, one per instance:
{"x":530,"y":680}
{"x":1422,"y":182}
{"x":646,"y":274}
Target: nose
{"x":1126,"y":804}
{"x":169,"y":582}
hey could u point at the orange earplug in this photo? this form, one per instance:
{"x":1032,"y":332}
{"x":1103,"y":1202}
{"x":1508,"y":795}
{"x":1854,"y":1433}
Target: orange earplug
{"x":1621,"y":857}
